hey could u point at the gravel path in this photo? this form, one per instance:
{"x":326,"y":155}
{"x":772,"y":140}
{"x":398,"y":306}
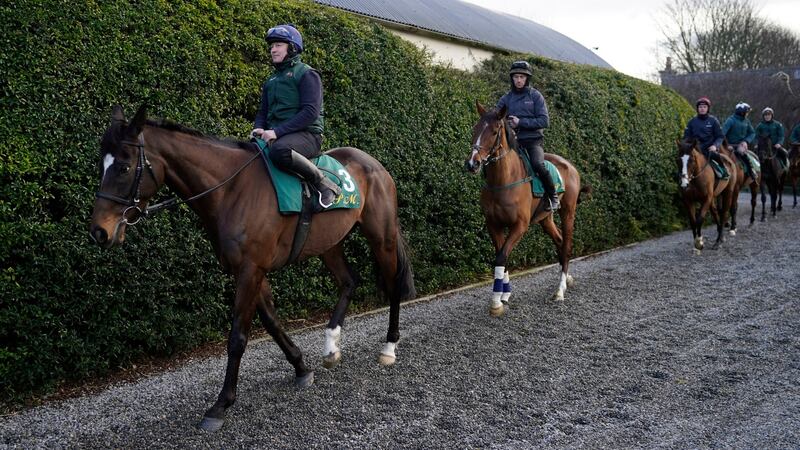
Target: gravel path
{"x":653,"y":347}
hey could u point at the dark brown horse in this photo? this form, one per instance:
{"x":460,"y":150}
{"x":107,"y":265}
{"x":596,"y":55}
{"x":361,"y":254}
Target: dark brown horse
{"x":772,"y":174}
{"x":249,"y":235}
{"x":698,"y":185}
{"x":742,"y":180}
{"x":794,"y":168}
{"x":508,"y":204}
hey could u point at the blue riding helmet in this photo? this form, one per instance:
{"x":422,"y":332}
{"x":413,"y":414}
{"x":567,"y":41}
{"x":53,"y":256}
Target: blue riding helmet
{"x":286,"y":33}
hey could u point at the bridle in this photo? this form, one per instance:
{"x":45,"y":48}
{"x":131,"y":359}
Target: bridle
{"x":493,"y":155}
{"x":133,"y":200}
{"x":697,"y":172}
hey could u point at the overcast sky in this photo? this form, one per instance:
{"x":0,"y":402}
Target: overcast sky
{"x":625,"y":32}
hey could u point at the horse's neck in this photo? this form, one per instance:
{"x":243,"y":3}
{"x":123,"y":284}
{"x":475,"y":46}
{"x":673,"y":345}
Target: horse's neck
{"x":507,"y":169}
{"x":193,"y":164}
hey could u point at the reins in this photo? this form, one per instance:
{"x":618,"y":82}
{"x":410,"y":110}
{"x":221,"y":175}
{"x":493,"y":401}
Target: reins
{"x":133,"y":201}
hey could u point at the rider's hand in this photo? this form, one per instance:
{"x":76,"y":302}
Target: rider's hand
{"x":269,"y":135}
{"x":256,"y":133}
{"x":514,"y":121}
{"x":713,"y":148}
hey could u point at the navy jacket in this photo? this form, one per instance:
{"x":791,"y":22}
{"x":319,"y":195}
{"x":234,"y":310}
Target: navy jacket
{"x":527,"y":104}
{"x":706,"y":130}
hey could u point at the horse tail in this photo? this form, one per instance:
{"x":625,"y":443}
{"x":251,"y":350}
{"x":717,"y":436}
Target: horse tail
{"x":585,"y":189}
{"x":404,"y":278}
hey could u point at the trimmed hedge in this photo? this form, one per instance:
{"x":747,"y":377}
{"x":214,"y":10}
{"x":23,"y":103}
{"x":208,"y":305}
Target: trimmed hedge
{"x":69,"y":310}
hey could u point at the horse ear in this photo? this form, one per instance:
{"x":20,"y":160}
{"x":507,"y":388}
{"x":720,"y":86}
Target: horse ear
{"x":481,"y":109}
{"x":117,"y":113}
{"x":138,"y":120}
{"x":502,"y":113}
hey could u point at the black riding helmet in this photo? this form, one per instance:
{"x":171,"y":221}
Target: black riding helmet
{"x":522,"y":67}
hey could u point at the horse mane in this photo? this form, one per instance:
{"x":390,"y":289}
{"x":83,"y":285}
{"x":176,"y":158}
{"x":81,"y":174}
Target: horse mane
{"x":170,"y":125}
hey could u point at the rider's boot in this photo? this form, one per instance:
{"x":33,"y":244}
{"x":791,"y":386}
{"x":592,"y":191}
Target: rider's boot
{"x":715,"y":157}
{"x":328,"y":190}
{"x":784,"y":155}
{"x":549,"y":190}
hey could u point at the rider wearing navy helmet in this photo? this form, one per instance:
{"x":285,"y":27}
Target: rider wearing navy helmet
{"x":705,"y":128}
{"x":528,"y":116}
{"x":739,"y":132}
{"x":290,"y":116}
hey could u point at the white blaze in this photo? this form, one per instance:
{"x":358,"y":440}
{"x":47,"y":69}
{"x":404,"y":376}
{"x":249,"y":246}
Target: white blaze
{"x":107,"y":162}
{"x":684,"y":171}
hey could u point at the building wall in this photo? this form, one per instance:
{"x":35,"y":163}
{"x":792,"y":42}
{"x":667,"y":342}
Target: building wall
{"x":461,"y":56}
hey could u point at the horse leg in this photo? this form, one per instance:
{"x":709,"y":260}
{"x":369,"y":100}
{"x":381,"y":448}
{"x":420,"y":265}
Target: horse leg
{"x":244,"y":306}
{"x":794,"y":191}
{"x":753,"y":201}
{"x":346,"y":279}
{"x":383,"y":233}
{"x":549,"y":227}
{"x":266,"y":311}
{"x":763,"y":202}
{"x":515,"y":233}
{"x":733,"y":210}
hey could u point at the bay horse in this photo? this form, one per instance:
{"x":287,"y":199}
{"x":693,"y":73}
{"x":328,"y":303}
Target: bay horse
{"x":773,"y":175}
{"x":249,"y":235}
{"x":794,"y":168}
{"x":742,"y":180}
{"x":698,"y":185}
{"x":508,"y":203}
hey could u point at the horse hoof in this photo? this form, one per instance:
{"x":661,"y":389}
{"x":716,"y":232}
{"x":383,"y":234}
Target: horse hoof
{"x":331,"y":360}
{"x":570,"y":281}
{"x":732,"y":232}
{"x":386,"y":360}
{"x":697,"y":251}
{"x":210,"y":424}
{"x":304,"y":381}
{"x":498,"y":311}
{"x":558,"y":296}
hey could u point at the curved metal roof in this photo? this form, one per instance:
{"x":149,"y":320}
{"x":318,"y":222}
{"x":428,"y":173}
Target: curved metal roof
{"x":465,"y":21}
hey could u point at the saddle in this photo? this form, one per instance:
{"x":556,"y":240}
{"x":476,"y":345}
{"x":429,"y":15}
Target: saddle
{"x":295,"y":196}
{"x":720,"y":172}
{"x":536,"y":184}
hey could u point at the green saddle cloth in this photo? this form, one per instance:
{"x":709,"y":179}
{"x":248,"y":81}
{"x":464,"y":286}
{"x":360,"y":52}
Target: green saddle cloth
{"x":754,"y":163}
{"x":536,"y":185}
{"x":720,"y":171}
{"x":289,"y":190}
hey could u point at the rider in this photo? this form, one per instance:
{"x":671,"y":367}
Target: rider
{"x":290,"y":117}
{"x":705,"y":128}
{"x":527,"y":114}
{"x":774,"y":130}
{"x":739,"y":132}
{"x":795,"y":136}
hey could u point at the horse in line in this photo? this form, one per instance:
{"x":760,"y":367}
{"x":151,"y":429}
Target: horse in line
{"x":698,"y":185}
{"x":794,"y":168}
{"x":509,"y":205}
{"x":742,"y":180}
{"x":249,"y":235}
{"x":773,"y":175}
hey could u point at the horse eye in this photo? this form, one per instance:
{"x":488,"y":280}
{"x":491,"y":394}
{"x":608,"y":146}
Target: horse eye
{"x":125,"y":169}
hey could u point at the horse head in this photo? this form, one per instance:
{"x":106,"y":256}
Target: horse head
{"x":127,"y":179}
{"x":765,"y":150}
{"x":687,"y":161}
{"x":488,"y":137}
